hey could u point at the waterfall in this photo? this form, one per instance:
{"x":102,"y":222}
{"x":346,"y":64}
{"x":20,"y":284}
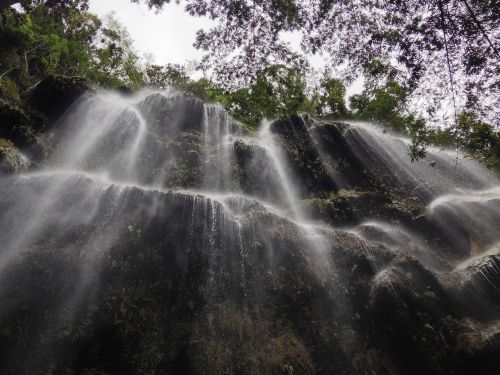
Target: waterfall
{"x":166,"y":236}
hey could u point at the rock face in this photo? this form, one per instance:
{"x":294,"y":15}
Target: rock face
{"x":11,"y":159}
{"x":26,"y":123}
{"x":54,"y":94}
{"x":163,"y":237}
{"x":22,"y":130}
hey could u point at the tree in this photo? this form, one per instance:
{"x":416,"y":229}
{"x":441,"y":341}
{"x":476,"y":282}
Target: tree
{"x":479,"y":140}
{"x":116,"y":62}
{"x":60,"y":37}
{"x":169,"y":75}
{"x":57,"y":8}
{"x":277,"y":91}
{"x":444,"y":48}
{"x":332,"y":100}
{"x":37,"y":43}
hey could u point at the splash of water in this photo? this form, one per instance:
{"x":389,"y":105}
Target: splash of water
{"x":165,"y":169}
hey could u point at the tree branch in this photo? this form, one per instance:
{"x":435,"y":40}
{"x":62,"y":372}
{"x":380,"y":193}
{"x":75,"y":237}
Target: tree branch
{"x":28,"y":52}
{"x":4,"y":73}
{"x":450,"y":73}
{"x":483,"y":31}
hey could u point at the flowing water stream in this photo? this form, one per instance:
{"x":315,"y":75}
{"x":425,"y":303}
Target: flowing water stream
{"x":164,"y":169}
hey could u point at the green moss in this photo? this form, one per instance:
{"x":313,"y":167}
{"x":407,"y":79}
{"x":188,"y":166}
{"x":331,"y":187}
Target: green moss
{"x":183,"y":174}
{"x":9,"y":89}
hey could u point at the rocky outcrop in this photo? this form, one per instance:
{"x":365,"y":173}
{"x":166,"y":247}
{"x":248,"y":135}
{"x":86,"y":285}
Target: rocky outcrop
{"x":298,"y":146}
{"x":168,"y":114}
{"x":11,"y":159}
{"x":351,"y":207}
{"x":23,"y":130}
{"x":55,"y":94}
{"x":184,"y":288}
{"x":475,"y":284}
{"x":255,"y":173}
{"x":169,"y":240}
{"x":24,"y":123}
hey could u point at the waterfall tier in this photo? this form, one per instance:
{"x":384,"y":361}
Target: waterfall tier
{"x":164,"y":237}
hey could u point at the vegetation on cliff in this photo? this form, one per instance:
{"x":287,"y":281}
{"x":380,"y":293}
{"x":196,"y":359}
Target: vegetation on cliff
{"x":164,"y":237}
{"x":266,"y":79}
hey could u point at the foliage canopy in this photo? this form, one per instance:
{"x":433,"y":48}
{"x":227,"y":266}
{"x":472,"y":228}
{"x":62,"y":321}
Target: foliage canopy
{"x":412,"y":54}
{"x":446,"y":50}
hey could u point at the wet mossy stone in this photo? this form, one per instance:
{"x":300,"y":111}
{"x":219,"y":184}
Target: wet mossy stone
{"x":242,"y":150}
{"x":55,"y":94}
{"x":302,"y":155}
{"x":352,"y":207}
{"x":13,"y":123}
{"x":244,"y":155}
{"x":475,"y":284}
{"x":124,"y":90}
{"x":22,"y":130}
{"x":170,"y":114}
{"x":348,"y":169}
{"x":289,"y":126}
{"x":409,"y":309}
{"x":12,"y":115}
{"x":254,"y":171}
{"x":11,"y":159}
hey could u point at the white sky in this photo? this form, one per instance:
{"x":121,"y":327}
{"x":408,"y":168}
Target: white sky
{"x":169,"y":35}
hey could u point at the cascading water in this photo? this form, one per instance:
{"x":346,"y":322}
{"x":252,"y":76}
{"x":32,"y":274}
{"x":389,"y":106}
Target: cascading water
{"x":164,"y":237}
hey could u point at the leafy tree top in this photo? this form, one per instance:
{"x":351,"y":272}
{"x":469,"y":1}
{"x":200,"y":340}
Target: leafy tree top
{"x":443,"y":48}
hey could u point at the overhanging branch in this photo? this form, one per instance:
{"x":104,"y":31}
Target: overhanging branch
{"x":483,"y":31}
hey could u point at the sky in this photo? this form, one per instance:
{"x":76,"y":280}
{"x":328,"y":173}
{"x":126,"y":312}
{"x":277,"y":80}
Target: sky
{"x":169,"y":34}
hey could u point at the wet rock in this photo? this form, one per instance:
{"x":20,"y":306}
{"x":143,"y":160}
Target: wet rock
{"x":177,"y":262}
{"x":483,"y":356}
{"x":290,"y":126}
{"x":23,"y":130}
{"x":15,"y":125}
{"x":429,"y":230}
{"x":11,"y":159}
{"x":243,"y":206}
{"x":55,"y":94}
{"x":256,"y":175}
{"x":243,"y":151}
{"x":124,"y":90}
{"x":275,"y":352}
{"x":452,"y":229}
{"x":12,"y":115}
{"x":407,"y":285}
{"x":125,"y":273}
{"x":193,"y":158}
{"x":302,"y":156}
{"x":476,"y":346}
{"x":346,"y":168}
{"x":389,"y":236}
{"x":475,"y":284}
{"x":183,"y":175}
{"x":409,"y":308}
{"x":351,"y":207}
{"x":469,"y":222}
{"x":168,"y":114}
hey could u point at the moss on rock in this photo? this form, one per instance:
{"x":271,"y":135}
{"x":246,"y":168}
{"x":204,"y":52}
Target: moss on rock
{"x":11,"y":159}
